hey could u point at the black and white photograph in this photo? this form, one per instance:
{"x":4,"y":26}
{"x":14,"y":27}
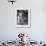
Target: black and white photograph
{"x":23,"y":17}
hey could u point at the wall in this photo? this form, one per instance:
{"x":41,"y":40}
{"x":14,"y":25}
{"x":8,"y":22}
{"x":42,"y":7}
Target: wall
{"x":8,"y":28}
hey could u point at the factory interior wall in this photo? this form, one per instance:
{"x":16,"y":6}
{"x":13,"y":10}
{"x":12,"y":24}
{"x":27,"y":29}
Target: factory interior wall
{"x":8,"y":30}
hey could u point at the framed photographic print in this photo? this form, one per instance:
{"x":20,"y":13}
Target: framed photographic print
{"x":23,"y":17}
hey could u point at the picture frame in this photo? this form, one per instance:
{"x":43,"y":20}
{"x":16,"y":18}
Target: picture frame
{"x":23,"y":17}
